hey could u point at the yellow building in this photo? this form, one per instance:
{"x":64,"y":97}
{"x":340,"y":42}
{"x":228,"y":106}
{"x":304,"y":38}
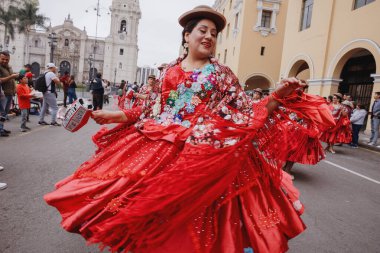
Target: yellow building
{"x":335,"y":46}
{"x":251,"y":43}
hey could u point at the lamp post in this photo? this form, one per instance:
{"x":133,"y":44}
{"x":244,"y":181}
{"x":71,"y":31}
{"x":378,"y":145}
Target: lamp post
{"x":90,"y":60}
{"x":53,"y":40}
{"x":114,"y":79}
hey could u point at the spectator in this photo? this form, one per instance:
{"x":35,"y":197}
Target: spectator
{"x":107,"y":91}
{"x":65,"y":79}
{"x":357,"y":120}
{"x":71,"y":90}
{"x":7,"y":79}
{"x":2,"y":185}
{"x":23,"y":98}
{"x":97,"y":92}
{"x":375,"y":120}
{"x":3,"y":133}
{"x":27,"y":68}
{"x":50,"y":96}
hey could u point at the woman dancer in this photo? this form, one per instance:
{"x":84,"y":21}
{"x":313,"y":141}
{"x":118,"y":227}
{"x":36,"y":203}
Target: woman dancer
{"x":180,"y":173}
{"x":341,"y":132}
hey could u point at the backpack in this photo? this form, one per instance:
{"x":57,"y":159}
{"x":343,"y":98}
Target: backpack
{"x":41,"y":83}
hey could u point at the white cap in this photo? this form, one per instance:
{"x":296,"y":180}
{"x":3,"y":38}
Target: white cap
{"x":50,"y":65}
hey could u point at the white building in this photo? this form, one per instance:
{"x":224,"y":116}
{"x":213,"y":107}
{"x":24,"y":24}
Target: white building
{"x":115,"y":56}
{"x":143,"y":73}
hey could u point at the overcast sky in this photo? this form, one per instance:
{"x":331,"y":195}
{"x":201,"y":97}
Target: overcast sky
{"x":159,"y":32}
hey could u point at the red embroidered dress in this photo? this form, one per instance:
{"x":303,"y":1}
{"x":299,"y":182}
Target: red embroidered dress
{"x":341,"y":132}
{"x":185,"y":175}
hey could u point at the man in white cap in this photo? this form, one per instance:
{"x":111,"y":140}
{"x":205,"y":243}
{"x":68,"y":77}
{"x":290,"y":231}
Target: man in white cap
{"x":50,"y":96}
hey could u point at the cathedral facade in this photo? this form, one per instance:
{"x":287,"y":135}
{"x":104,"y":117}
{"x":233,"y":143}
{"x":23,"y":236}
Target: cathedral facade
{"x":77,"y":53}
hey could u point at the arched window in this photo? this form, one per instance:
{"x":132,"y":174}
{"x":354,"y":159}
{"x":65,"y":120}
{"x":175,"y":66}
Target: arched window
{"x":123,"y":26}
{"x":66,"y":42}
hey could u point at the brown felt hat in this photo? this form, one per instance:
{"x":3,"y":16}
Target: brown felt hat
{"x":259,"y":90}
{"x":338,"y":94}
{"x":152,"y":76}
{"x":203,"y":11}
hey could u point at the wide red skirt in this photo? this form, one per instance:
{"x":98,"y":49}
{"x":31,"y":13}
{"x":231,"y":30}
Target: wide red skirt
{"x":341,"y":133}
{"x":143,"y":195}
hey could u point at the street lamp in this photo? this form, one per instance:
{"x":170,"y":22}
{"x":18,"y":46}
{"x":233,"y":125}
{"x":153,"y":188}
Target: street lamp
{"x":52,"y":43}
{"x":90,"y":60}
{"x":114,"y":79}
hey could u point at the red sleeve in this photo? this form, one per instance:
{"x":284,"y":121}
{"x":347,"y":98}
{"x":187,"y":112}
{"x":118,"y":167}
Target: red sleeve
{"x":133,"y":115}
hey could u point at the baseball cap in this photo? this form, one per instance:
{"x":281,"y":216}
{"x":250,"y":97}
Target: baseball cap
{"x":50,"y":65}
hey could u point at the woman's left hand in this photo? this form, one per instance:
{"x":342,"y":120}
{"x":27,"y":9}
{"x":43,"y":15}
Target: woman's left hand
{"x":288,"y":85}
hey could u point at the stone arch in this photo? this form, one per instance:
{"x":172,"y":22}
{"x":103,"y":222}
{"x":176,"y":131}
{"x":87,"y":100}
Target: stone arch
{"x":299,"y":64}
{"x":258,"y":80}
{"x":64,"y":66}
{"x":349,"y":50}
{"x":356,"y":68}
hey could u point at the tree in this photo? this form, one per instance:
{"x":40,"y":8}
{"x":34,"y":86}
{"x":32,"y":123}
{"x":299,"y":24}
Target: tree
{"x":27,"y":17}
{"x":7,"y":19}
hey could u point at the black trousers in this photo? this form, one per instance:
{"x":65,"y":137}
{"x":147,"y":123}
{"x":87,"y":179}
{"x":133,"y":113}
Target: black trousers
{"x":64,"y":98}
{"x":355,"y":134}
{"x":97,"y":101}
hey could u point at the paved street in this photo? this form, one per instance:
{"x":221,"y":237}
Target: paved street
{"x":341,"y":194}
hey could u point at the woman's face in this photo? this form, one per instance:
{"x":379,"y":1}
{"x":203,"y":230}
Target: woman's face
{"x":202,"y":39}
{"x":335,"y":99}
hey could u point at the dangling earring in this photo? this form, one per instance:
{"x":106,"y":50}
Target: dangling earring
{"x":185,"y":48}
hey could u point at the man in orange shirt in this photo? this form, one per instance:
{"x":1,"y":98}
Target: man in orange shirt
{"x":23,"y":97}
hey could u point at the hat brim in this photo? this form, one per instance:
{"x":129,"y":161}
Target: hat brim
{"x":203,"y":13}
{"x":338,"y":95}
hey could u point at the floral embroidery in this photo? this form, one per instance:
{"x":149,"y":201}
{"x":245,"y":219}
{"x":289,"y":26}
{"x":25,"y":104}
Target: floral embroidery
{"x":189,"y":95}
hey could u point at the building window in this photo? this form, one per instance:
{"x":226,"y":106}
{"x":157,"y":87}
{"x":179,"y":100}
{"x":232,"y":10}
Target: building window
{"x":228,"y":31}
{"x":267,"y":16}
{"x":123,"y":26}
{"x":225,"y":56}
{"x":361,"y":3}
{"x":236,"y":21}
{"x":120,"y":65}
{"x":36,"y":43}
{"x":307,"y":10}
{"x":262,"y":50}
{"x":265,"y":19}
{"x":230,"y":4}
{"x":121,"y":51}
{"x":66,"y":42}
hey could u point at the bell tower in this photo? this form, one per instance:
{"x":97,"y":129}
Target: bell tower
{"x":121,"y":50}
